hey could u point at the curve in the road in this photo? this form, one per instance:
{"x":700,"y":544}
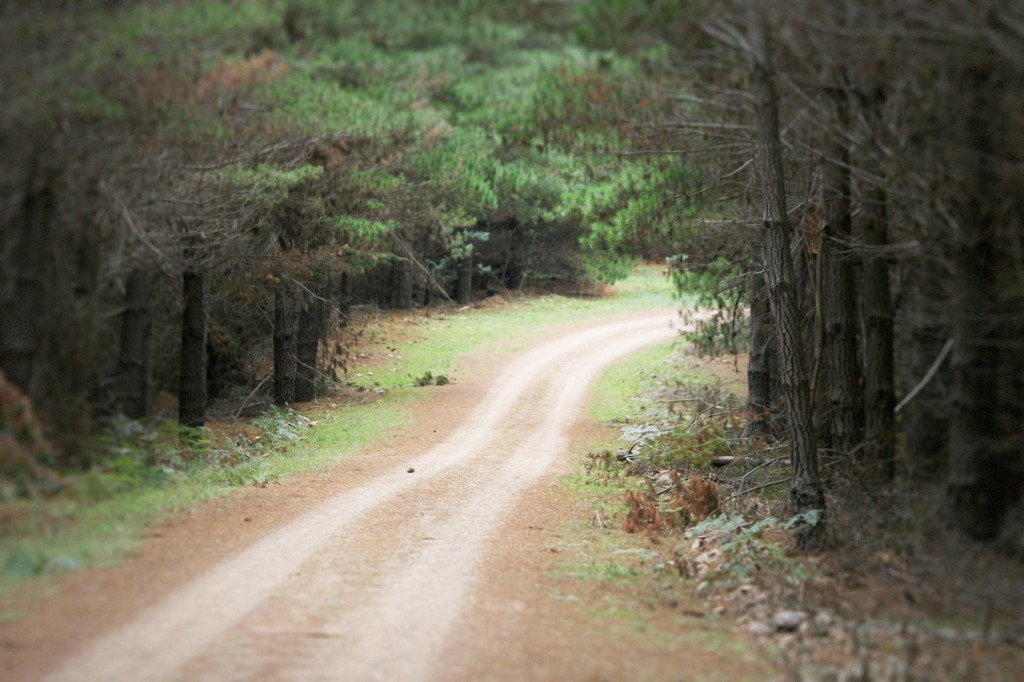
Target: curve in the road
{"x":367,"y":585}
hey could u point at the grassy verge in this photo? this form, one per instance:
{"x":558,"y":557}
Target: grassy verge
{"x":628,"y":582}
{"x":164,"y":470}
{"x":617,"y":395}
{"x":731,"y":583}
{"x":620,"y":394}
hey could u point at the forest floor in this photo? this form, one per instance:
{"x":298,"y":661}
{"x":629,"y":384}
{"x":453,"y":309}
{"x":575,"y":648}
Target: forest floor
{"x":469,"y":545}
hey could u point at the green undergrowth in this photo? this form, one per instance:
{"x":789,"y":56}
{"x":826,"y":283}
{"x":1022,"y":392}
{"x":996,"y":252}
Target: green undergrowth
{"x":147,"y":472}
{"x":104,"y":512}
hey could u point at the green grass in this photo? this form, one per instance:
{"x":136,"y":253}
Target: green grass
{"x":447,"y":336}
{"x":107,"y":513}
{"x":104,"y":519}
{"x":616,"y":392}
{"x":624,"y":567}
{"x":66,"y":535}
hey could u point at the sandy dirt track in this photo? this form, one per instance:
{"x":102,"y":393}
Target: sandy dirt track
{"x":369,"y":583}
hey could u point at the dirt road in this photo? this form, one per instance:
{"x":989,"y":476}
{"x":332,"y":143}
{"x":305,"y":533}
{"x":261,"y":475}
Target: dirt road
{"x":369,"y":583}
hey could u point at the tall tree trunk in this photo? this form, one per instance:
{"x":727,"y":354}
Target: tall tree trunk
{"x":806,"y":252}
{"x":762,"y":346}
{"x":987,"y":442}
{"x":135,"y":363}
{"x":401,"y":284}
{"x":307,"y":345}
{"x":464,"y":288}
{"x":877,"y":323}
{"x":192,"y":384}
{"x":285,"y":331}
{"x":23,"y":298}
{"x":839,"y":309}
{"x":806,"y":493}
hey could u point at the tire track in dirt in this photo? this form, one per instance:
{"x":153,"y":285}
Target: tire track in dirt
{"x":367,"y":585}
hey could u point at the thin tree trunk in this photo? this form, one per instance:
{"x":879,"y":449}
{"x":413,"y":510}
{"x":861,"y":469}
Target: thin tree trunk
{"x":877,"y":322}
{"x":285,"y":331}
{"x":135,"y":364}
{"x":307,"y":346}
{"x":806,"y":493}
{"x":464,"y":289}
{"x":192,"y":386}
{"x":345,"y":299}
{"x":810,"y":280}
{"x":401,"y":283}
{"x":759,"y":378}
{"x":806,"y":252}
{"x":839,"y":309}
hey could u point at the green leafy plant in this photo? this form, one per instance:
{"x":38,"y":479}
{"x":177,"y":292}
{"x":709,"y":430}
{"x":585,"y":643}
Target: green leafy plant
{"x":743,"y":548}
{"x":280,"y":427}
{"x":429,"y":379}
{"x":811,"y":517}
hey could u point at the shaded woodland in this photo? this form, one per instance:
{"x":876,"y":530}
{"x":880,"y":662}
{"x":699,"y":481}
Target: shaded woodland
{"x":860,"y":162}
{"x":195,"y":194}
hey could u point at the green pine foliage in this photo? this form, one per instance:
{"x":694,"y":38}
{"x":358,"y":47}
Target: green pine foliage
{"x":264,"y":141}
{"x":474,"y":113}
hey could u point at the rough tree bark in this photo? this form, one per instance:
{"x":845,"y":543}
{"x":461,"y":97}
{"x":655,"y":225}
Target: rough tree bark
{"x":839,"y":308}
{"x":192,"y":383}
{"x":285,"y":332}
{"x":877,"y":323}
{"x":806,"y":493}
{"x":135,"y":362}
{"x":805,"y":248}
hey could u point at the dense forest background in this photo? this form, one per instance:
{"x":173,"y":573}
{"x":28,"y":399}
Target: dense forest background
{"x":194,"y":195}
